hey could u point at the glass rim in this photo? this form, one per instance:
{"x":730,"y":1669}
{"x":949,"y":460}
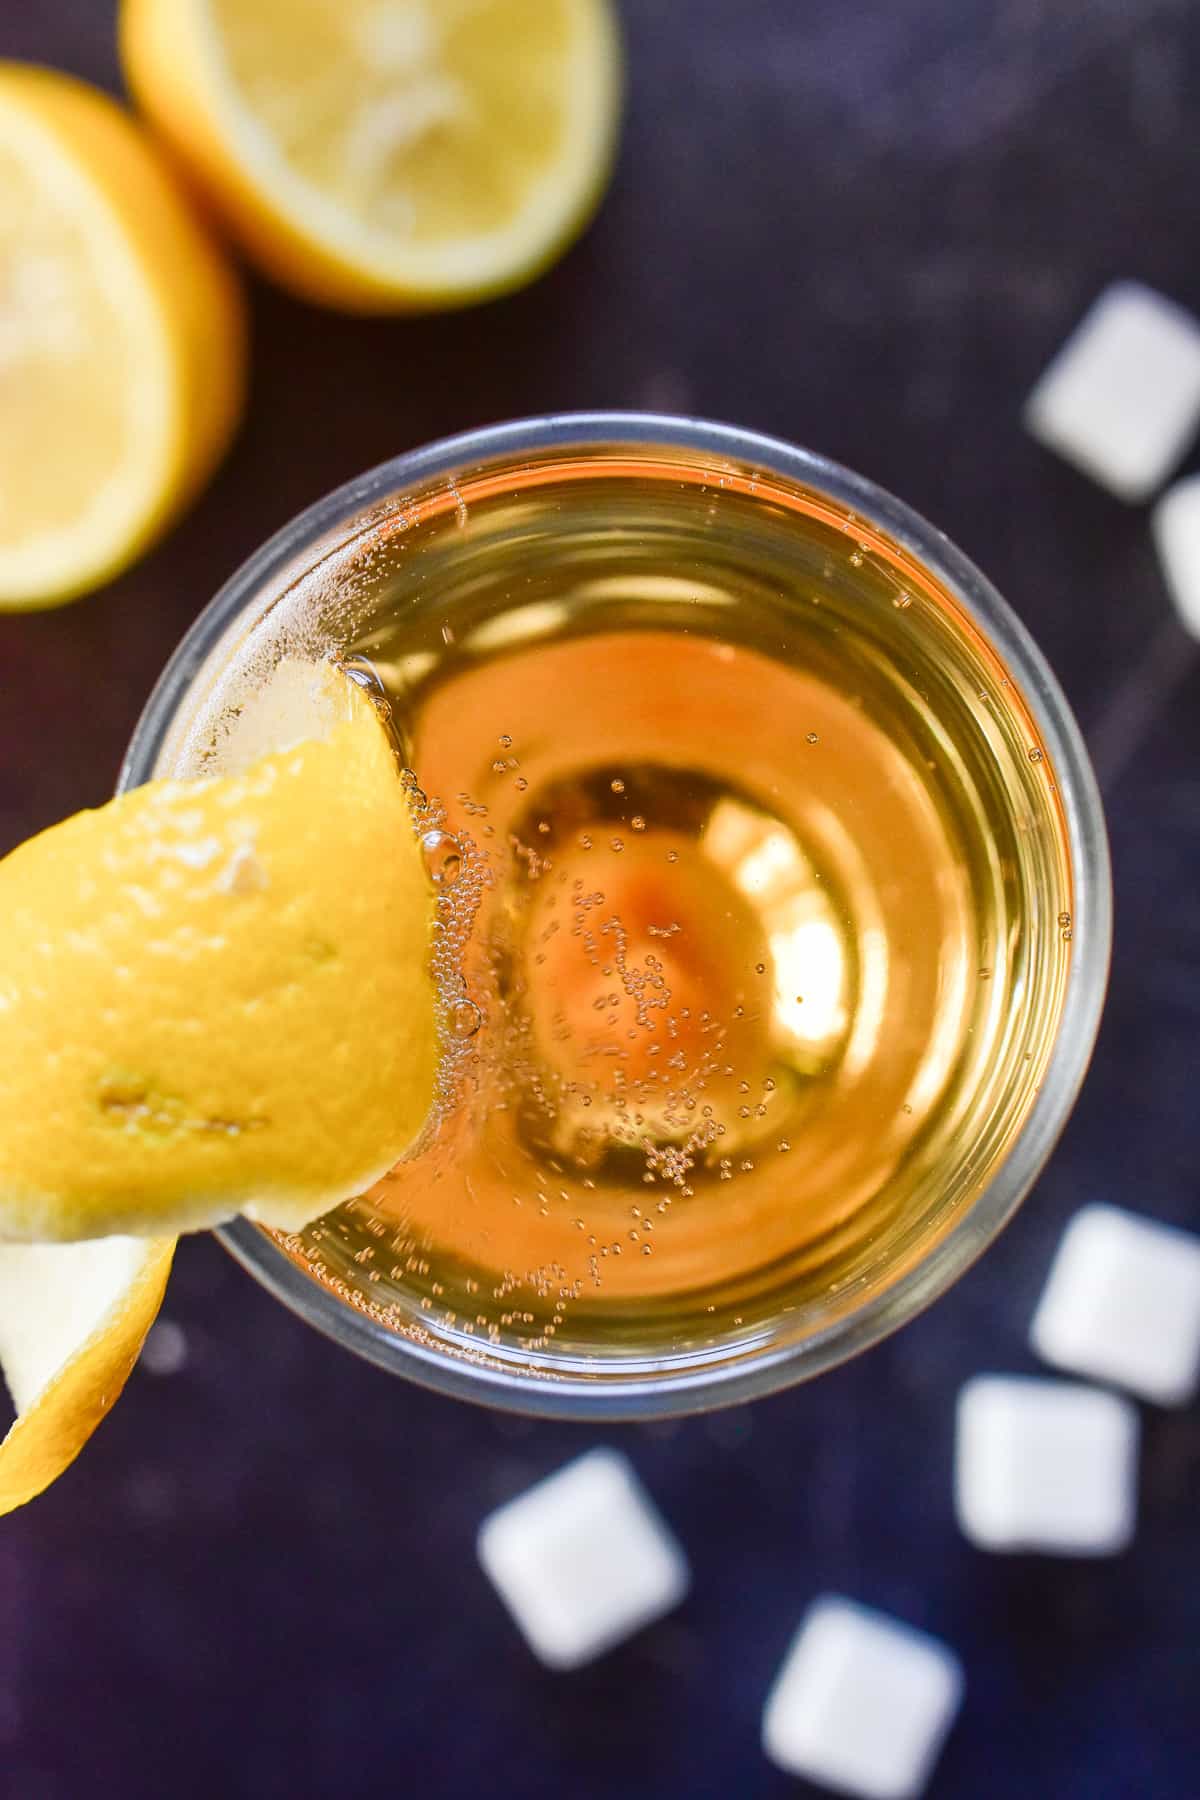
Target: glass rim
{"x":742,"y":1373}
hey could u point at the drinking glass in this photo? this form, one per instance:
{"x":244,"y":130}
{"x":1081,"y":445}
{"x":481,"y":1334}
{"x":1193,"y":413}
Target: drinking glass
{"x":591,"y":518}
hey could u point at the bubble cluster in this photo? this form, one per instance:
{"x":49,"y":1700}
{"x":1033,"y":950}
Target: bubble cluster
{"x":460,"y":873}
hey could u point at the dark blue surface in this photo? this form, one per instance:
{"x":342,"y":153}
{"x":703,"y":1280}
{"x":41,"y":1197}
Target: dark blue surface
{"x":863,"y":225}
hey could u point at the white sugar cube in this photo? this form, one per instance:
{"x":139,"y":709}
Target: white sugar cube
{"x":1122,"y":1304}
{"x":1121,"y":400}
{"x":1175,"y":524}
{"x":862,"y":1702}
{"x":1045,"y":1465}
{"x":583,"y":1559}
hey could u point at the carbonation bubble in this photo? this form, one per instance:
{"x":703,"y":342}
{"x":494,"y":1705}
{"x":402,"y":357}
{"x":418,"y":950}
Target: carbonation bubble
{"x":465,"y":1019}
{"x":443,"y":857}
{"x":364,"y":674}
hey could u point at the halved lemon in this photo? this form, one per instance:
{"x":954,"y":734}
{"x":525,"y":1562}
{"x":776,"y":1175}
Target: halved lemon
{"x":383,"y":155}
{"x":121,"y":340}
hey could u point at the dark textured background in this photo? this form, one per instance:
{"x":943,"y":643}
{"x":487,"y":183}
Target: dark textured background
{"x":864,"y":225}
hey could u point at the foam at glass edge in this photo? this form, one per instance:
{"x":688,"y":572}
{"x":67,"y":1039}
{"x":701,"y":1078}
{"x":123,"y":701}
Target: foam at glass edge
{"x":273,"y":689}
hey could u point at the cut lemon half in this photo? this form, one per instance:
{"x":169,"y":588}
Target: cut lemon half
{"x":380,"y":155}
{"x":215,"y":996}
{"x":73,"y":1318}
{"x":121,"y":340}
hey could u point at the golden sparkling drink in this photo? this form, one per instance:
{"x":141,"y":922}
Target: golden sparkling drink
{"x":754,"y":903}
